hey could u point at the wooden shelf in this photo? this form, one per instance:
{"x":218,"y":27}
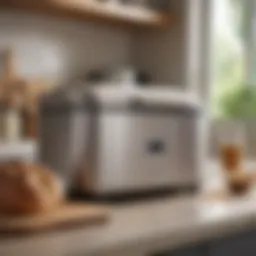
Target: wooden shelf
{"x":91,"y":10}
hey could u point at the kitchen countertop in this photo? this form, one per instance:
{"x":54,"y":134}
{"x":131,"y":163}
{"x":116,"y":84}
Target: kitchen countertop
{"x":143,"y":228}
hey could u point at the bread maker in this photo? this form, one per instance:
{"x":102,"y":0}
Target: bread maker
{"x":109,"y":140}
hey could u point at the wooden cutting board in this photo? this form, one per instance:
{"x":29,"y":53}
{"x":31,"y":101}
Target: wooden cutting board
{"x":67,"y":216}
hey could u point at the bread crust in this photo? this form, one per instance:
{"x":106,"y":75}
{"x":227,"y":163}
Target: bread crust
{"x":27,"y":188}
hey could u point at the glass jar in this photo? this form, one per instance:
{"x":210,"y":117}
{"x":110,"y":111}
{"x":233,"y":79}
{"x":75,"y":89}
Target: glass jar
{"x":11,"y":124}
{"x":231,"y":144}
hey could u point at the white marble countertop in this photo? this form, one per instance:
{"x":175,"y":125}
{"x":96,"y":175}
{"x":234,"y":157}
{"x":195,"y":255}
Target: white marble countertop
{"x":143,"y":228}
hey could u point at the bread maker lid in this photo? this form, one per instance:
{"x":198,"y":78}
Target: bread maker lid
{"x":65,"y":97}
{"x":119,"y":98}
{"x":159,"y":98}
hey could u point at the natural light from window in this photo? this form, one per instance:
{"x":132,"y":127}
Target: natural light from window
{"x":228,"y":50}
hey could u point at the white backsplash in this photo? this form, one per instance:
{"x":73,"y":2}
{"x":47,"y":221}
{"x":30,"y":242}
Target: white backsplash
{"x":61,"y":49}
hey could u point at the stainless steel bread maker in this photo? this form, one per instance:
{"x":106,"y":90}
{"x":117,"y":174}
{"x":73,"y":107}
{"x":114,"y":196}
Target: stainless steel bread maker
{"x":106,"y":140}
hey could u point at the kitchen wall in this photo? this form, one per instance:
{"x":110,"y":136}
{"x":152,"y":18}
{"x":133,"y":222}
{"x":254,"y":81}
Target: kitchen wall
{"x":61,"y":49}
{"x":164,"y":53}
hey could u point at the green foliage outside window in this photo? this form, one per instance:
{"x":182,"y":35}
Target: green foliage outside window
{"x":231,"y":98}
{"x":239,"y":102}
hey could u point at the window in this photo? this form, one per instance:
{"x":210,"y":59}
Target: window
{"x":234,"y":59}
{"x":229,"y":49}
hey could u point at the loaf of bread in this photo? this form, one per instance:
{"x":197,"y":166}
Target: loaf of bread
{"x":27,"y":188}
